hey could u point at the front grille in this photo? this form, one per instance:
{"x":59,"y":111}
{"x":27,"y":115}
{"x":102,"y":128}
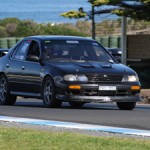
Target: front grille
{"x":107,"y":93}
{"x":96,"y":92}
{"x":104,"y":78}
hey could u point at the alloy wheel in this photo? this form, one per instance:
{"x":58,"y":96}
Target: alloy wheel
{"x":3,"y":89}
{"x":48,"y":92}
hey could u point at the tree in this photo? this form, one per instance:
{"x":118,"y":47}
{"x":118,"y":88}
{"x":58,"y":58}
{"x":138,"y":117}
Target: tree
{"x":74,"y":14}
{"x":139,"y":10}
{"x":104,"y":2}
{"x":82,"y":14}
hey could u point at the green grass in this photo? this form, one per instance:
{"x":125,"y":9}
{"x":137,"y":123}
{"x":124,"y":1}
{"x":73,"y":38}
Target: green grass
{"x":27,"y":139}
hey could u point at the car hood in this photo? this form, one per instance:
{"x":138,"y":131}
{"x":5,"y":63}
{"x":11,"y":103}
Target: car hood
{"x":91,"y":67}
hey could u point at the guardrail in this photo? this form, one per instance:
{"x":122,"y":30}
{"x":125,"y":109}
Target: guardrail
{"x":110,"y":41}
{"x":9,"y":42}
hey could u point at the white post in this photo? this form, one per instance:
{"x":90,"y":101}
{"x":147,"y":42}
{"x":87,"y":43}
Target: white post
{"x":124,"y":41}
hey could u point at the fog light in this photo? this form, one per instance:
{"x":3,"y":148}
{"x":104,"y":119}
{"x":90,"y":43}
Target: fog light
{"x":75,"y":87}
{"x":135,"y":87}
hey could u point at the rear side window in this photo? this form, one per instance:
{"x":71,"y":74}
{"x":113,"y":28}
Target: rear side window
{"x":21,"y":50}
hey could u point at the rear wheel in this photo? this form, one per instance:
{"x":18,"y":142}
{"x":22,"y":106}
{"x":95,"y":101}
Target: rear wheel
{"x":76,"y":104}
{"x":126,"y":105}
{"x":49,"y":94}
{"x":5,"y":97}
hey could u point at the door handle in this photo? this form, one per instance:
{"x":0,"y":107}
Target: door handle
{"x":7,"y":65}
{"x":23,"y":67}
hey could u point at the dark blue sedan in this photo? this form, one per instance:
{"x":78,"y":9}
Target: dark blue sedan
{"x":70,"y":69}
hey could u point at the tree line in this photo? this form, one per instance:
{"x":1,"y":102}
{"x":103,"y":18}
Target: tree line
{"x":13,"y":27}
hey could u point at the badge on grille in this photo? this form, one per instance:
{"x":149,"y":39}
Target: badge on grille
{"x":105,"y":76}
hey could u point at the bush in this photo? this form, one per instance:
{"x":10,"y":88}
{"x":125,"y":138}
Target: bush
{"x":27,"y":28}
{"x":3,"y":32}
{"x":50,"y":29}
{"x":11,"y":28}
{"x":14,"y":27}
{"x":5,"y":21}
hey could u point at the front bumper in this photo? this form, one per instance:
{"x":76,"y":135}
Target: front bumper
{"x":99,"y":99}
{"x":91,"y":93}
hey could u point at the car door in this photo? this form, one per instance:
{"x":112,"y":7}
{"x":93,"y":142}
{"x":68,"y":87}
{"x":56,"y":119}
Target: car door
{"x":14,"y":66}
{"x":32,"y":70}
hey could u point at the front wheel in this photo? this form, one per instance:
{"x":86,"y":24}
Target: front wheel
{"x":49,"y":94}
{"x":126,"y":105}
{"x":5,"y":97}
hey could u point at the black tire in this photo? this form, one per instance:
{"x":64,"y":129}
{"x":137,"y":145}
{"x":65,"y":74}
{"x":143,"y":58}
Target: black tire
{"x":76,"y":104}
{"x":49,"y":94}
{"x":5,"y":97}
{"x":126,"y":105}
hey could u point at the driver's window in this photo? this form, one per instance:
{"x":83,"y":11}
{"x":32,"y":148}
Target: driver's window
{"x":33,"y":52}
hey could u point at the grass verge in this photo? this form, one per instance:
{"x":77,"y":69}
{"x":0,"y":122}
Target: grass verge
{"x":28,"y":139}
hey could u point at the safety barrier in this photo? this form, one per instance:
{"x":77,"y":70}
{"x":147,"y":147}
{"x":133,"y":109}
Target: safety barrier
{"x":9,"y":42}
{"x":109,"y":41}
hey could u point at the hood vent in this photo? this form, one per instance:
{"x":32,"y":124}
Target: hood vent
{"x":86,"y":65}
{"x":106,"y":66}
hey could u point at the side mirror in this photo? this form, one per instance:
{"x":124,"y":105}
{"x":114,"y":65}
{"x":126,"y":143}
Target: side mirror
{"x":118,"y":58}
{"x":41,"y":62}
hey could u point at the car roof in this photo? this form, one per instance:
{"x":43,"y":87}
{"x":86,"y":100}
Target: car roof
{"x":58,"y":37}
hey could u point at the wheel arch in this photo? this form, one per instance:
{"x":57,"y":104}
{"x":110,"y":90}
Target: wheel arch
{"x":48,"y":75}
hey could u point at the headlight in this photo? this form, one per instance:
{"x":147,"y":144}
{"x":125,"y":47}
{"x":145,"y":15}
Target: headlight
{"x":71,"y":77}
{"x":130,"y":78}
{"x":82,"y":78}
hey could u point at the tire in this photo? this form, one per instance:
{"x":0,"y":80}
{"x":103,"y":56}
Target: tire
{"x":126,"y":105}
{"x":76,"y":104}
{"x":49,"y":94}
{"x":5,"y":97}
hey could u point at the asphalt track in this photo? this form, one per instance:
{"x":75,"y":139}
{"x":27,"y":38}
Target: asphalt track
{"x":95,"y":114}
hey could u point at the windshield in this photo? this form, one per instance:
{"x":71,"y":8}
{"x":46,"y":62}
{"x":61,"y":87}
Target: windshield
{"x":63,"y":50}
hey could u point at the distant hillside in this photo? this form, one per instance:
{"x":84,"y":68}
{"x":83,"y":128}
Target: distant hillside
{"x":13,"y":27}
{"x":113,"y":27}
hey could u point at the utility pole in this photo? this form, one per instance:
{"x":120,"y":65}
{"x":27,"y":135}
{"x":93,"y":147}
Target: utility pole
{"x":124,"y":41}
{"x":92,"y":18}
{"x":93,"y":23}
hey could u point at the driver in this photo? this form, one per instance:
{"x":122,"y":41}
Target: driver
{"x":48,"y":51}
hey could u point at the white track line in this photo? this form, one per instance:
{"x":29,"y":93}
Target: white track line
{"x":73,"y":125}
